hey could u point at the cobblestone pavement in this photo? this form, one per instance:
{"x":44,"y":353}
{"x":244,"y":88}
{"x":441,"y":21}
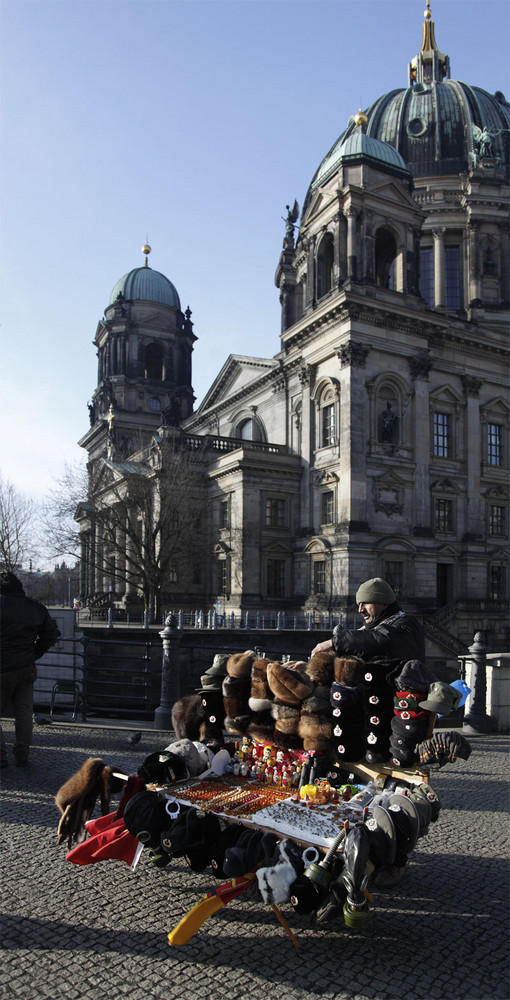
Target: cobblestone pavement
{"x":90,"y":933}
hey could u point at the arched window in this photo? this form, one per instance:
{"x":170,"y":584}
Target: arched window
{"x":385,"y":259}
{"x":325,"y":258}
{"x":248,"y":430}
{"x":153,"y":362}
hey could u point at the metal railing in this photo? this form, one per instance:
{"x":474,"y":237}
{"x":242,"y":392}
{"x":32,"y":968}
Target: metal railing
{"x":213,"y":619}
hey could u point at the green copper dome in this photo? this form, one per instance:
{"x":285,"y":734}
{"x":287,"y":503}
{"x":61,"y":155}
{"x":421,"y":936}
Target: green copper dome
{"x":356,"y":147}
{"x":144,"y":284}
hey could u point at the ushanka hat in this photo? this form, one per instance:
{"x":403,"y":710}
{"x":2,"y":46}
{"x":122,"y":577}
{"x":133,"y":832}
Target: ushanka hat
{"x":414,"y":676}
{"x":375,"y":591}
{"x":442,"y":698}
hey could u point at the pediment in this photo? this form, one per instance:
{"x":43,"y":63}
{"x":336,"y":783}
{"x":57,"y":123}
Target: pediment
{"x":238,"y":372}
{"x":446,"y":394}
{"x":497,"y":405}
{"x":315,"y":206}
{"x":445,"y":486}
{"x":317,"y":546}
{"x":392,"y":191}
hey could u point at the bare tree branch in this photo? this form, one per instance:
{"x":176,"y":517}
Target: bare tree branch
{"x":17,"y":526}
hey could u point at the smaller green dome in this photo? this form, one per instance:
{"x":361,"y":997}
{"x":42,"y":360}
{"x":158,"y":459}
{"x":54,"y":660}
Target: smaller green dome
{"x":360,"y":146}
{"x":144,"y":284}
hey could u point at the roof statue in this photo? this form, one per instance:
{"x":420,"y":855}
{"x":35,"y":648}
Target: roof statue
{"x":483,"y":138}
{"x":290,"y":223}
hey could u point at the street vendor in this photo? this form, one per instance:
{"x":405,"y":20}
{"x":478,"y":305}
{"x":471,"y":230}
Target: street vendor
{"x":388,"y":638}
{"x":387,"y":631}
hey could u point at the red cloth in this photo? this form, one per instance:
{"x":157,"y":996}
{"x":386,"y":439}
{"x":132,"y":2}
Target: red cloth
{"x":112,"y":843}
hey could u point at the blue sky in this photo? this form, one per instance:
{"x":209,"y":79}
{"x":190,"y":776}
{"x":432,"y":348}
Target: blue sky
{"x":193,"y":124}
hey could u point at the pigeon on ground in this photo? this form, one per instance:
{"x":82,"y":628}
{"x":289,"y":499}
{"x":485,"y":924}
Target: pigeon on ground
{"x":135,"y":738}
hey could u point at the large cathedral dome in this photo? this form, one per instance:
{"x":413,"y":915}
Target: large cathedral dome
{"x":438,"y":125}
{"x":144,"y":284}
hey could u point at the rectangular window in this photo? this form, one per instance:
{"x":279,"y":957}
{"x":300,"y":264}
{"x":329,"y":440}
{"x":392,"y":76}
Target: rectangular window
{"x":497,"y":583}
{"x":443,"y":515}
{"x":223,"y":577}
{"x":319,"y":577}
{"x":275,"y":513}
{"x":328,"y":425}
{"x":452,"y":277}
{"x":327,"y":507}
{"x":224,"y":514}
{"x":442,"y":434}
{"x":394,"y":575}
{"x":497,"y":520}
{"x":494,"y":444}
{"x":427,"y":275}
{"x":276,"y":578}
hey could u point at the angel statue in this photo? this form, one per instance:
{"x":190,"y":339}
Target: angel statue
{"x":483,"y":138}
{"x":290,"y":221}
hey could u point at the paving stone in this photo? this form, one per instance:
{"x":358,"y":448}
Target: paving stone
{"x":102,"y":930}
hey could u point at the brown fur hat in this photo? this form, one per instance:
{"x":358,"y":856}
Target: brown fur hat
{"x":261,"y":726}
{"x":236,"y":692}
{"x":349,"y":670}
{"x":286,"y":727}
{"x":289,"y":681}
{"x":318,"y":701}
{"x":261,"y":698}
{"x":320,"y":668}
{"x":240,"y":664}
{"x":316,"y":731}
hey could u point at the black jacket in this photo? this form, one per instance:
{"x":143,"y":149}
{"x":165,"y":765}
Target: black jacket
{"x":26,"y":631}
{"x":397,"y":637}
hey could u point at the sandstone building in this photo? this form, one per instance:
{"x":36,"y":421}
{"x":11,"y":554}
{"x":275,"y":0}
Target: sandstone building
{"x":376,"y":440}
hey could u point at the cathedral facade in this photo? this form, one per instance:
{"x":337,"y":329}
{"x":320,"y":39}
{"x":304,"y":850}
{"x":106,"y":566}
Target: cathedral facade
{"x":375,"y":442}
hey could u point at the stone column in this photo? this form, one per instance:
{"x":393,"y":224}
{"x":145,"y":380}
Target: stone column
{"x":420,"y":366}
{"x":352,"y":264}
{"x":474,"y":278}
{"x":353,"y":478}
{"x":439,"y":276}
{"x":472,"y":443}
{"x":170,"y":680}
{"x":98,"y":573}
{"x":476,"y":720}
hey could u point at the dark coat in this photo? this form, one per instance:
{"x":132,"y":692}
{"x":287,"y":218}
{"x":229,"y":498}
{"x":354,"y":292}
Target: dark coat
{"x":26,"y":631}
{"x":398,"y":637}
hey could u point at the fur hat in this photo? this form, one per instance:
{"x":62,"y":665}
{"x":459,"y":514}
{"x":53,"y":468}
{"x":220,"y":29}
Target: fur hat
{"x":320,"y":668}
{"x":375,"y":591}
{"x":240,"y":664}
{"x":236,"y":693}
{"x":289,"y":682}
{"x":414,"y":676}
{"x":316,"y":731}
{"x":349,"y":670}
{"x":286,"y":727}
{"x":261,"y":726}
{"x":261,"y":697}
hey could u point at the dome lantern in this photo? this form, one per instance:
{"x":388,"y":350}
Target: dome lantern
{"x":430,"y":65}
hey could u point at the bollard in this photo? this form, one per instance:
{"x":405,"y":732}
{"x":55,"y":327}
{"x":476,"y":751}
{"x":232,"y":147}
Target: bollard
{"x":476,"y":720}
{"x":169,"y":674}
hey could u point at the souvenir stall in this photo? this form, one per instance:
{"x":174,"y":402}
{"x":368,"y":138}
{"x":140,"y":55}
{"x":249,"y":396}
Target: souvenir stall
{"x":306,"y":781}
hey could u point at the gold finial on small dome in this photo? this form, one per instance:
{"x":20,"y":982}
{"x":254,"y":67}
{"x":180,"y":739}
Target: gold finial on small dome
{"x":146,"y":249}
{"x":360,"y":118}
